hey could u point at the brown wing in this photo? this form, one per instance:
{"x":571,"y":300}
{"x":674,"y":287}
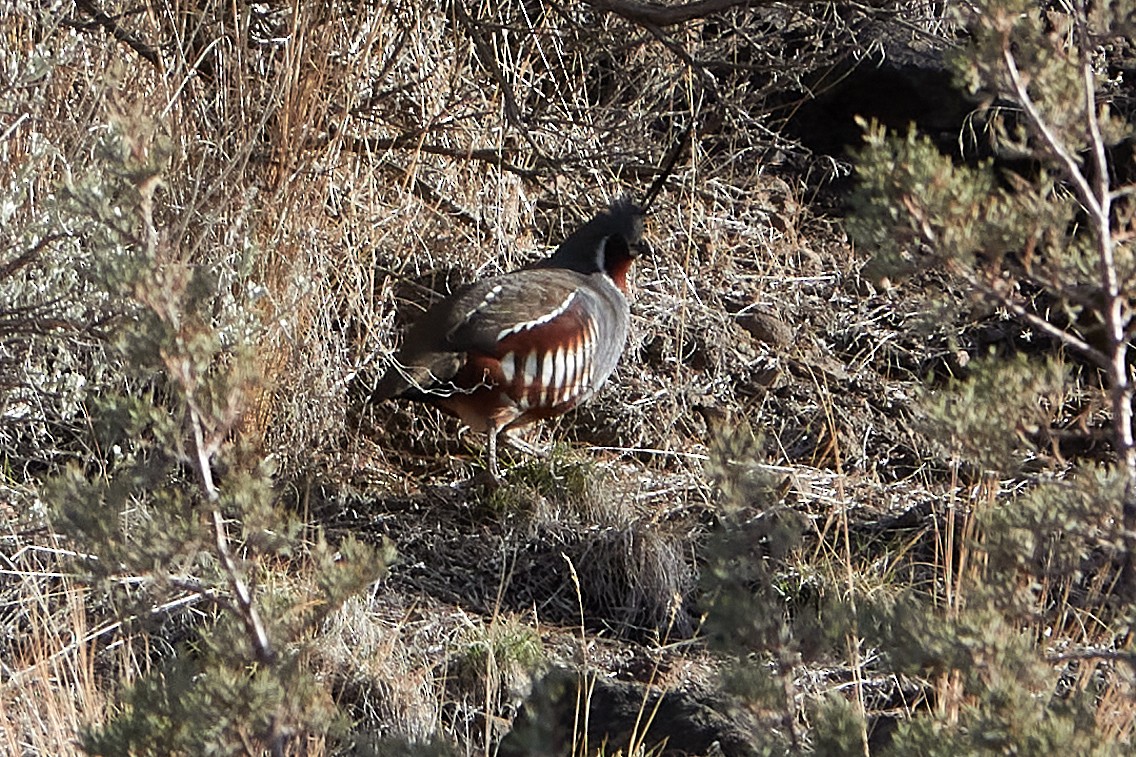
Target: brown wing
{"x":481,"y":320}
{"x":511,"y":305}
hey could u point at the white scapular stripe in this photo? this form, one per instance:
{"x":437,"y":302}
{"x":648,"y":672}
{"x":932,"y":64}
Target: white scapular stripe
{"x":538,"y":321}
{"x":485,"y":302}
{"x":490,"y":296}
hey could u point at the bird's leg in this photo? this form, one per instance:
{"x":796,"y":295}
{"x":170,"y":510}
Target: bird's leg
{"x":491,"y":453}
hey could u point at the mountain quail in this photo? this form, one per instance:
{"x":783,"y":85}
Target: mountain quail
{"x":526,"y":345}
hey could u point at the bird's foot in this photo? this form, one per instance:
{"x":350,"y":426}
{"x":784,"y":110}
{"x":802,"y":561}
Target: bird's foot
{"x":526,"y":448}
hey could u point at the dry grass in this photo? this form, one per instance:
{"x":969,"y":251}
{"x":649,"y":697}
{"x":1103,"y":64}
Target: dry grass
{"x":51,"y":687}
{"x":338,"y":168}
{"x":375,"y":654}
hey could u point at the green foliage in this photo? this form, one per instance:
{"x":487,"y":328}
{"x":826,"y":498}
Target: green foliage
{"x":182,"y":508}
{"x":915,"y":208}
{"x":150,"y":360}
{"x":1010,"y":711}
{"x":1043,"y":46}
{"x":918,"y":208}
{"x":562,"y":477}
{"x":199,"y":703}
{"x":1034,"y":550}
{"x":1061,"y":537}
{"x":50,"y":302}
{"x":746,"y":593}
{"x":757,"y":612}
{"x":500,"y":651}
{"x":1007,"y":732}
{"x":1000,"y":413}
{"x":838,"y":727}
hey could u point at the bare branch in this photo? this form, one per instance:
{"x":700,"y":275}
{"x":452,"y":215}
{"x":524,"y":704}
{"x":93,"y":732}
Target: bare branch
{"x":1066,"y":338}
{"x":21,"y":260}
{"x":1096,"y":198}
{"x":669,"y":15}
{"x":108,"y":24}
{"x":489,"y":60}
{"x":202,"y":452}
{"x":1115,"y":313}
{"x":495,"y":156}
{"x":1095,"y":655}
{"x":1069,"y":163}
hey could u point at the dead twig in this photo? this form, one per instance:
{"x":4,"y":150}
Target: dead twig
{"x":489,"y":60}
{"x":1096,"y":197}
{"x":110,"y":25}
{"x":670,"y":15}
{"x":495,"y":156}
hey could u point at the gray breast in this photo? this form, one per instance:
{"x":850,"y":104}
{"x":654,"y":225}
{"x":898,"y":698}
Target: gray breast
{"x":611,"y":318}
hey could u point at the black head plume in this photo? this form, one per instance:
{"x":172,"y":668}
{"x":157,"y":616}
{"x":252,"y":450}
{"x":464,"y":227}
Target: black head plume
{"x":667,"y":166}
{"x":617,"y":229}
{"x":615,"y":236}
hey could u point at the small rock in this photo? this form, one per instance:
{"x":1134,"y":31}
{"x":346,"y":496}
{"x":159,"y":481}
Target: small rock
{"x":766,"y":327}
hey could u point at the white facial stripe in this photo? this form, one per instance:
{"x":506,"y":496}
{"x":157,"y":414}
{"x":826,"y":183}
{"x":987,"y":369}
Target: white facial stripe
{"x":601,"y":255}
{"x":508,"y":367}
{"x":555,"y":312}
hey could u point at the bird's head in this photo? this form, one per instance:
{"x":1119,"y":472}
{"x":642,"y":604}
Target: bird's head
{"x":608,"y":243}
